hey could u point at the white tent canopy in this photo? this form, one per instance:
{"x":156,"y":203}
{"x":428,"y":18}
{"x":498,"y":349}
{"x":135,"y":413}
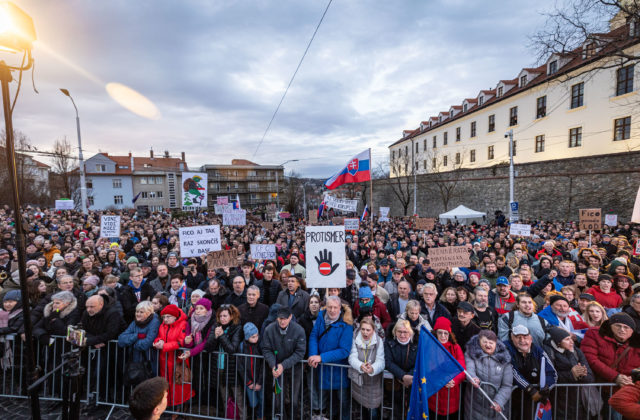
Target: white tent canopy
{"x":463,"y":215}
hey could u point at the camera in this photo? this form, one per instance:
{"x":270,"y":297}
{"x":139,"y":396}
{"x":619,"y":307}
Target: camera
{"x":76,"y":335}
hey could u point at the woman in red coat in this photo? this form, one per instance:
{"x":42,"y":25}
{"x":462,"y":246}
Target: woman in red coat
{"x":447,"y":399}
{"x":170,"y":338}
{"x":604,"y":293}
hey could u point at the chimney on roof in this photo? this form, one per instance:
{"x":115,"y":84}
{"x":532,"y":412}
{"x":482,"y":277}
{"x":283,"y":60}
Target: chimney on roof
{"x":183,"y":156}
{"x":166,"y":154}
{"x":151,"y":153}
{"x":131,"y":157}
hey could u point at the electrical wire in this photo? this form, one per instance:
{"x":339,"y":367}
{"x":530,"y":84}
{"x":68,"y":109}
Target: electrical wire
{"x":15,"y":98}
{"x":291,"y":81}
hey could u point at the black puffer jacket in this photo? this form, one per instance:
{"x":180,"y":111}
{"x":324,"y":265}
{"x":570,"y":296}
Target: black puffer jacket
{"x":15,"y":323}
{"x":400,"y":359}
{"x":229,"y":343}
{"x":103,"y":326}
{"x":56,"y":323}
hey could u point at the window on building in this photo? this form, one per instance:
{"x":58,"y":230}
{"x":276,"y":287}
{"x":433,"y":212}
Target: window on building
{"x":464,"y":108}
{"x":117,"y":183}
{"x":89,"y":183}
{"x":473,"y":129}
{"x":144,"y":194}
{"x":492,"y":123}
{"x":481,"y":101}
{"x":159,"y":180}
{"x":435,"y":142}
{"x":577,"y":95}
{"x":513,"y":116}
{"x":101,"y":167}
{"x":117,"y":199}
{"x":541,"y":107}
{"x":451,"y":114}
{"x":523,"y":80}
{"x":417,"y":147}
{"x":228,"y":187}
{"x":424,"y":145}
{"x":458,"y":131}
{"x":143,"y":180}
{"x":406,"y":150}
{"x":445,"y":139}
{"x":458,"y":158}
{"x":490,"y":152}
{"x":622,"y":129}
{"x":553,"y":66}
{"x":575,"y":137}
{"x":151,"y":180}
{"x":444,"y":161}
{"x":152,"y":194}
{"x":472,"y":155}
{"x":393,"y":155}
{"x":252,"y":173}
{"x":406,"y":168}
{"x":91,"y":202}
{"x":417,"y":167}
{"x":434,"y":163}
{"x":590,"y":50}
{"x":540,"y":143}
{"x":625,"y":80}
{"x":500,"y":91}
{"x":159,"y":194}
{"x":424,"y":165}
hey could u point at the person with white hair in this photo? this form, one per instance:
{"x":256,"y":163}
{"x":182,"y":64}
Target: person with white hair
{"x":141,"y":332}
{"x":58,"y":314}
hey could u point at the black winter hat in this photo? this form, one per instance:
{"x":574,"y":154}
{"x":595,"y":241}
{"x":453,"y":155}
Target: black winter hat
{"x":558,"y":334}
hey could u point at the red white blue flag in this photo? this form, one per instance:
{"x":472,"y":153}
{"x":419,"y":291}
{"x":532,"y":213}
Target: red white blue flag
{"x":358,"y":169}
{"x":365,"y":213}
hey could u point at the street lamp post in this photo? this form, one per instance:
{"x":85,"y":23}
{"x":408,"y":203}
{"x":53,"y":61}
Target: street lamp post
{"x":277,"y":188}
{"x":83,"y":184}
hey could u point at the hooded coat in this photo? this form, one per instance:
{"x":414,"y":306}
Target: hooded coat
{"x":56,"y":323}
{"x":607,"y":358}
{"x":378,"y":309}
{"x":495,"y":369}
{"x":333,"y":344}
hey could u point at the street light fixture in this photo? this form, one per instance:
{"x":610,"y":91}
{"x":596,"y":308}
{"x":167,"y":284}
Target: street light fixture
{"x":17,"y":34}
{"x":83,"y":184}
{"x":277,"y":189}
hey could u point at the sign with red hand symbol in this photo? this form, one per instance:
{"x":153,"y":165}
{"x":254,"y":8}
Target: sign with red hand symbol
{"x":326,"y":263}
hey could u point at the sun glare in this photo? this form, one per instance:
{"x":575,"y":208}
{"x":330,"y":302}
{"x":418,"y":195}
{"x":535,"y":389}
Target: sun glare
{"x":133,"y":101}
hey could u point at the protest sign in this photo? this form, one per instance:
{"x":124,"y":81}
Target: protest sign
{"x":268,"y":225}
{"x":337,"y":220}
{"x":590,"y":219}
{"x":198,"y":240}
{"x":449,"y":256}
{"x":235,"y":218}
{"x":223,"y":208}
{"x":383,"y":214}
{"x":425,"y":223}
{"x":109,"y":226}
{"x":284,"y":215}
{"x":611,"y":220}
{"x":351,"y":224}
{"x":219,"y":259}
{"x":65,"y":205}
{"x":313,"y":216}
{"x":222,"y":200}
{"x":340,"y":204}
{"x":263,"y":252}
{"x":194,"y":190}
{"x":326,"y":258}
{"x":519,"y":229}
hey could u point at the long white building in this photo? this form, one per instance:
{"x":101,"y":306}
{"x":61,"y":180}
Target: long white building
{"x":582,"y":103}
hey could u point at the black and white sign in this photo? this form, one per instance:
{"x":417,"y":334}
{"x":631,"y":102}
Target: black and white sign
{"x":325,"y":256}
{"x":235,"y":218}
{"x":263,"y":252}
{"x":351,"y":224}
{"x":198,"y":240}
{"x":519,"y":229}
{"x":109,"y":226}
{"x":611,"y":220}
{"x":383,"y":214}
{"x":223,"y":208}
{"x":65,"y":205}
{"x":340,"y":204}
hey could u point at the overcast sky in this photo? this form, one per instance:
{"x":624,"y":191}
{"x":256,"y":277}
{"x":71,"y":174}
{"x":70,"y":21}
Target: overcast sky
{"x":216,"y":71}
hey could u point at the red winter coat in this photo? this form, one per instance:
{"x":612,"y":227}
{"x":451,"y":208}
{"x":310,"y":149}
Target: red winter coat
{"x":608,"y":300}
{"x":379,"y":310}
{"x":625,"y":401}
{"x":448,"y":399}
{"x":602,"y":350}
{"x":173,"y":337}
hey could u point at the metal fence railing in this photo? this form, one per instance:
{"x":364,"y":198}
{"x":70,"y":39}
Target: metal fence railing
{"x":216,"y":385}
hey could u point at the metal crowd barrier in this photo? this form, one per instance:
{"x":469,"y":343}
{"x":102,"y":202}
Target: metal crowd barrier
{"x":215,"y":393}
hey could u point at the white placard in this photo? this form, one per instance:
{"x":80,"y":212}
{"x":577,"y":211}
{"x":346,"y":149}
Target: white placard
{"x":340,"y":204}
{"x":351,"y":224}
{"x":263,"y":252}
{"x":611,"y":220}
{"x":235,"y":218}
{"x":383,"y":214}
{"x":519,"y":229}
{"x":223,"y":208}
{"x":194,"y":190}
{"x":109,"y":226}
{"x":325,"y":257}
{"x":65,"y":205}
{"x":198,"y":240}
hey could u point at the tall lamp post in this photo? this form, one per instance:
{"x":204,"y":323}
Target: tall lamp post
{"x":17,"y":34}
{"x":83,"y":184}
{"x":278,"y":189}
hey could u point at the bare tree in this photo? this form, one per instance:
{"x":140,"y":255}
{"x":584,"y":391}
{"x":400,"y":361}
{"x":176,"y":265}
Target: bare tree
{"x":401,"y":170}
{"x":293,"y":191}
{"x":63,"y":163}
{"x":445,"y":174}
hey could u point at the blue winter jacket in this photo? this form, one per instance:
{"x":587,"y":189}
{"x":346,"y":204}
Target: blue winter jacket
{"x":333,"y":344}
{"x":141,"y":346}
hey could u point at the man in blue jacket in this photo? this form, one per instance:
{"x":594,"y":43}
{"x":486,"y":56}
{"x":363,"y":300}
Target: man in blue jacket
{"x":330,"y":343}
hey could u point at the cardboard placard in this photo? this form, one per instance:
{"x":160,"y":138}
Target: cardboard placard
{"x":219,"y":259}
{"x":351,"y":224}
{"x":337,"y":220}
{"x":198,"y":240}
{"x":236,"y":218}
{"x":65,"y":205}
{"x":326,"y":256}
{"x":313,"y":216}
{"x":267,"y":225}
{"x":519,"y":229}
{"x":109,"y":226}
{"x":590,"y":219}
{"x":425,"y":223}
{"x":449,"y":256}
{"x":611,"y":220}
{"x":263,"y":252}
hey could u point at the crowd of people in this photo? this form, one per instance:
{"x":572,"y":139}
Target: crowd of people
{"x":529,"y":314}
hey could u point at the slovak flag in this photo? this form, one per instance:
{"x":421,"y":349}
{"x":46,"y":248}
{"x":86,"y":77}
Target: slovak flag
{"x":358,"y":169}
{"x":365,"y":213}
{"x":236,"y":204}
{"x":320,"y":209}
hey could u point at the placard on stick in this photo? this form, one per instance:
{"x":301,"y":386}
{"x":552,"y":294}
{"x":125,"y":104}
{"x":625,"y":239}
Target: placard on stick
{"x":225,"y":258}
{"x":449,"y":256}
{"x":337,"y":220}
{"x":611,"y":220}
{"x":109,"y":226}
{"x":590,"y":219}
{"x":351,"y":224}
{"x":198,"y":240}
{"x":237,"y":218}
{"x":313,"y":216}
{"x":519,"y":229}
{"x":263,"y":251}
{"x":267,"y":225}
{"x":425,"y":223}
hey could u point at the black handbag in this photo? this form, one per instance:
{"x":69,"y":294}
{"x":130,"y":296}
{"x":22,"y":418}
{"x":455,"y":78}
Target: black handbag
{"x":137,"y":372}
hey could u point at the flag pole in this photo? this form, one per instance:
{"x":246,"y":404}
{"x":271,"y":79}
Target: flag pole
{"x":371,"y":193}
{"x":479,"y":388}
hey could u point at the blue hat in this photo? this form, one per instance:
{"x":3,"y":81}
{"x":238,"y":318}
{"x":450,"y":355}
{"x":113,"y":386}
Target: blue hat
{"x":249,"y":330}
{"x":502,"y":280}
{"x":13,"y":295}
{"x":365,"y":293}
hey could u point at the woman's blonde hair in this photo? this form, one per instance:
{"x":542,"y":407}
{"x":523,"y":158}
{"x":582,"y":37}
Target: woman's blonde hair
{"x":402,"y":323}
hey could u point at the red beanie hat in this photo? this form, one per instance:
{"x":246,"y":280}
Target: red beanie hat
{"x":172,"y":310}
{"x":442,"y":323}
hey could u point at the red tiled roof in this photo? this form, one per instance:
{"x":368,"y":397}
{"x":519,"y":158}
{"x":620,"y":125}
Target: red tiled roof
{"x":471,"y":100}
{"x":243,"y":162}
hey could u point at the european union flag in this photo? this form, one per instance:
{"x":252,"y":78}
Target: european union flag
{"x":435,"y":367}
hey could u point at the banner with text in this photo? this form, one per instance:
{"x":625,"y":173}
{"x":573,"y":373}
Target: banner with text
{"x":351,"y":224}
{"x":198,"y":240}
{"x":109,"y":226}
{"x":425,"y":223}
{"x":65,"y":205}
{"x":590,"y":219}
{"x":222,"y":208}
{"x":219,"y":259}
{"x":263,"y":252}
{"x":235,"y":218}
{"x":340,"y":204}
{"x":325,"y":256}
{"x":448,"y":257}
{"x":519,"y":229}
{"x":383,"y":214}
{"x":611,"y":220}
{"x":194,"y":190}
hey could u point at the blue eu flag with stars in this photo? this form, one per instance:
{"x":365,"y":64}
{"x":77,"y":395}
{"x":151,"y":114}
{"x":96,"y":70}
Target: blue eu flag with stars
{"x":435,"y":367}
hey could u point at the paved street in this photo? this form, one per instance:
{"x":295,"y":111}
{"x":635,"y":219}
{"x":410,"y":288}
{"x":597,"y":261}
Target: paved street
{"x":18,"y":409}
